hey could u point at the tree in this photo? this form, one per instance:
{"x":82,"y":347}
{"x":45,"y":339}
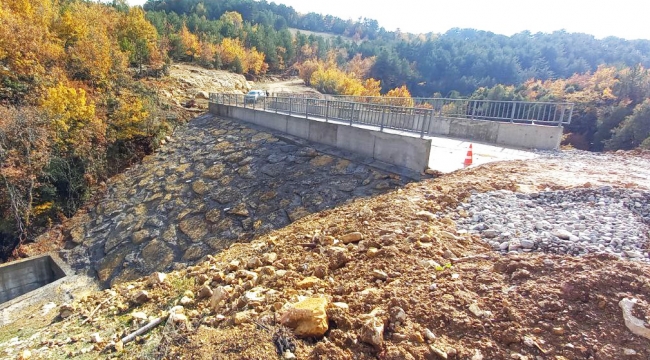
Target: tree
{"x":634,"y":131}
{"x":76,"y":129}
{"x":400,"y":97}
{"x":190,"y":42}
{"x":24,"y":154}
{"x":138,"y":37}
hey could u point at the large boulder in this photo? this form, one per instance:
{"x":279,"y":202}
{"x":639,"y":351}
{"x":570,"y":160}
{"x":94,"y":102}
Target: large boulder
{"x":307,"y":318}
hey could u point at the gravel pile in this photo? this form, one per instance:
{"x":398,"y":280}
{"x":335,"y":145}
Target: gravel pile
{"x":575,"y":222}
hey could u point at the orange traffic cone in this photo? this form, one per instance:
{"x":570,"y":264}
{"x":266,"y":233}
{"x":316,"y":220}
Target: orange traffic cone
{"x":468,"y":158}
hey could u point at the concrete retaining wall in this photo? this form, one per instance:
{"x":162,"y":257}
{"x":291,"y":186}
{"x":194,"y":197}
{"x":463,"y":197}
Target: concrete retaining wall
{"x":405,"y":151}
{"x":21,"y":277}
{"x":493,"y":132}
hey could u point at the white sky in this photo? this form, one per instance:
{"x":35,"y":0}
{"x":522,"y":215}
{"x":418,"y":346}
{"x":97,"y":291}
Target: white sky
{"x":629,"y":19}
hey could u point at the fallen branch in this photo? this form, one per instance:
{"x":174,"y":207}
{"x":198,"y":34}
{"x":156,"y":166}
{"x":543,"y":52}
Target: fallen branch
{"x":90,"y":316}
{"x":152,"y":324}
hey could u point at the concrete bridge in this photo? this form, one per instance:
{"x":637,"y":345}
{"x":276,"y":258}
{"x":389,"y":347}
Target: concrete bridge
{"x":435,"y":135}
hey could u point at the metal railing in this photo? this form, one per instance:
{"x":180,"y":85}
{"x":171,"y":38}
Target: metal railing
{"x":512,"y":111}
{"x":402,"y":114}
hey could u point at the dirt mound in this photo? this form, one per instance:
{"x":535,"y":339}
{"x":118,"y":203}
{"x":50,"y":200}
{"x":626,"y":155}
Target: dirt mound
{"x":398,"y":282}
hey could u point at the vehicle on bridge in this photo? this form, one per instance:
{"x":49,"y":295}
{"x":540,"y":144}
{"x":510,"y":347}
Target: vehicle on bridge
{"x":254,"y":96}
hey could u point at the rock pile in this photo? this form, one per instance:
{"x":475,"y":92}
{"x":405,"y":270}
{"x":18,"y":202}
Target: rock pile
{"x":575,"y":222}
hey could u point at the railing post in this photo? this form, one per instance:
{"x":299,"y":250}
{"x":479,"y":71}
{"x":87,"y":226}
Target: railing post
{"x":383,"y":118}
{"x":422,"y":130}
{"x":473,"y":108}
{"x":264,"y":103}
{"x":327,"y":110}
{"x":290,"y":105}
{"x":352,"y":114}
{"x":512,"y":117}
{"x":306,"y":108}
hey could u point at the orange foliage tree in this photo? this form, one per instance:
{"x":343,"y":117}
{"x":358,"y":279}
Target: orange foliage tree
{"x":400,"y":97}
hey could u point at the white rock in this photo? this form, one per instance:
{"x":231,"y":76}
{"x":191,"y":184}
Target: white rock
{"x":157,"y":278}
{"x":561,"y":233}
{"x":629,"y":352}
{"x":288,"y":355}
{"x":95,"y":338}
{"x":634,"y":324}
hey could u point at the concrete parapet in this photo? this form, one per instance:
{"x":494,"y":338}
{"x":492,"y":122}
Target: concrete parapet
{"x":404,"y":151}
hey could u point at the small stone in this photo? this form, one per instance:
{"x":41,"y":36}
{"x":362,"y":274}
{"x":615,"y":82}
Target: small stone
{"x":416,"y":337}
{"x":288,"y":355}
{"x":178,"y":318}
{"x":397,"y":315}
{"x":218,"y":295}
{"x":426,"y":215}
{"x":448,"y":236}
{"x":378,"y":274}
{"x":185,"y":301}
{"x":205,"y":292}
{"x":429,"y":335}
{"x":561,"y":233}
{"x":352,"y":237}
{"x":341,"y":305}
{"x":558,"y":331}
{"x":95,"y":338}
{"x":234,"y":265}
{"x":308,"y":282}
{"x":629,"y":352}
{"x":157,"y":278}
{"x":372,"y":331}
{"x":240,"y":210}
{"x":438,"y":352}
{"x":141,"y":297}
{"x":372,"y":252}
{"x":138,"y":316}
{"x":242,"y":317}
{"x":490,"y":233}
{"x":269,"y":258}
{"x":65,"y":311}
{"x":254,"y":263}
{"x":527,"y":243}
{"x":25,"y":355}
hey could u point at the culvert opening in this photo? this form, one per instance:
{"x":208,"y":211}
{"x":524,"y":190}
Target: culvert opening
{"x":22,"y":277}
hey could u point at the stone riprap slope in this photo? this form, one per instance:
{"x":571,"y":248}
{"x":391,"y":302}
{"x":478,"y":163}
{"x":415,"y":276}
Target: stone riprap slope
{"x":218,"y":182}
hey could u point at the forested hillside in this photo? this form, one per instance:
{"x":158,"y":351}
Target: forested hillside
{"x":460,"y":60}
{"x":606,"y":78}
{"x":71,"y":114}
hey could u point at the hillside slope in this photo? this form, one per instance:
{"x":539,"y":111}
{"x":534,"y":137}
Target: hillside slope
{"x":391,"y":277}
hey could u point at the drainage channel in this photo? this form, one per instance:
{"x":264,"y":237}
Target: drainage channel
{"x":22,"y":277}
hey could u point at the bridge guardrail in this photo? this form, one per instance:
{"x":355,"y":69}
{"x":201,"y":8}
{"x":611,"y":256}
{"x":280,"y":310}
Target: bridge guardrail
{"x":416,"y":116}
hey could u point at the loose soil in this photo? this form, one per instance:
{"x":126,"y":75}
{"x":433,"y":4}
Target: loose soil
{"x":460,"y":299}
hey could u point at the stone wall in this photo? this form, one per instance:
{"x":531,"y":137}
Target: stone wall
{"x":219,"y":181}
